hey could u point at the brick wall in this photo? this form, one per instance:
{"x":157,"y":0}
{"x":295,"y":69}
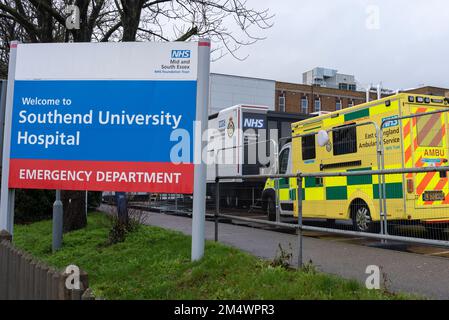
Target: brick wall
{"x":432,"y":91}
{"x":293,"y":94}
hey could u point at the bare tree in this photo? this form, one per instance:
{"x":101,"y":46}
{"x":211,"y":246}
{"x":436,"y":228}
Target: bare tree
{"x":230,"y":24}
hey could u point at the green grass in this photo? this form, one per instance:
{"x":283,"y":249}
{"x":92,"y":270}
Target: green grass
{"x":154,"y":263}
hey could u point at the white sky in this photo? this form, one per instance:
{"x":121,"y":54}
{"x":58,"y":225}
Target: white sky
{"x":409,"y":48}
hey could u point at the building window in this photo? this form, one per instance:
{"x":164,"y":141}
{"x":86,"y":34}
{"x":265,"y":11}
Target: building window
{"x":317,"y":105}
{"x":343,"y":86}
{"x":304,"y":105}
{"x":352,"y":87}
{"x":350,"y":103}
{"x":282,"y":103}
{"x":338,"y":105}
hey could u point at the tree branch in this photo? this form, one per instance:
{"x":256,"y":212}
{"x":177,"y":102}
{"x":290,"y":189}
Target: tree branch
{"x":113,"y":29}
{"x":186,"y":36}
{"x":23,"y":21}
{"x":55,"y":14}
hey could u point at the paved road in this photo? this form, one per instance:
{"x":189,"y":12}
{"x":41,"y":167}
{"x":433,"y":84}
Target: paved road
{"x":407,"y":272}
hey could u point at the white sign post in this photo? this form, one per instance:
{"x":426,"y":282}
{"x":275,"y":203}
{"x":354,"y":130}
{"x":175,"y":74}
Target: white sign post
{"x":107,"y":116}
{"x":7,"y":195}
{"x":199,"y":193}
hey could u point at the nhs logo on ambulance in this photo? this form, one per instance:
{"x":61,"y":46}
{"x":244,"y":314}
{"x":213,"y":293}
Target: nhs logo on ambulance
{"x":253,"y":123}
{"x":180,"y":54}
{"x":387,"y":123}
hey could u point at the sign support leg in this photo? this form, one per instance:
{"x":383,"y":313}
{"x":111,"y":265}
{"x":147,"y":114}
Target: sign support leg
{"x":7,"y":195}
{"x":199,"y":186}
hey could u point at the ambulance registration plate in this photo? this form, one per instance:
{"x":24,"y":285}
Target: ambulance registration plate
{"x":433,"y":196}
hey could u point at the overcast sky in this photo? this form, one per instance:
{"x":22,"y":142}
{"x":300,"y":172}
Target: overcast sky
{"x":406,"y":46}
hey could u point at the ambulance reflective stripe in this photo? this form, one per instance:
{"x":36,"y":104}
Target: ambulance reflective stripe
{"x":426,"y":181}
{"x":439,"y":187}
{"x":408,"y":146}
{"x":429,"y":132}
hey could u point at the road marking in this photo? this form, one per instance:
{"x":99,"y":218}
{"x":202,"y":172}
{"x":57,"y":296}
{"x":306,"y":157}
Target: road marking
{"x":438,"y":253}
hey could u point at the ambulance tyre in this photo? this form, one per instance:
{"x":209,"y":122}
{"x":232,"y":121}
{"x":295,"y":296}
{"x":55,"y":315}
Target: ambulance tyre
{"x":271,"y":209}
{"x":361,"y":217}
{"x":269,"y":204}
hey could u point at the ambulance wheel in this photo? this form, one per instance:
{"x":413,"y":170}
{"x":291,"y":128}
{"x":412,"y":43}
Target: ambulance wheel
{"x":361,"y":217}
{"x":271,"y":208}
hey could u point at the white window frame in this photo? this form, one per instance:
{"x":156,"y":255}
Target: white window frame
{"x":315,"y":105}
{"x":338,"y":103}
{"x":304,"y":108}
{"x":282,"y":104}
{"x":350,"y":103}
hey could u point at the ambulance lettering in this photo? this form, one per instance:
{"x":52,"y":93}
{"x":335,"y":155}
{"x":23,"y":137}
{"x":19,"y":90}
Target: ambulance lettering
{"x":434,"y":153}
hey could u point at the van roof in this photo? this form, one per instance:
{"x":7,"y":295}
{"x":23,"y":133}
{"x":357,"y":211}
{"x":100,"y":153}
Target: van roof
{"x":371,"y":103}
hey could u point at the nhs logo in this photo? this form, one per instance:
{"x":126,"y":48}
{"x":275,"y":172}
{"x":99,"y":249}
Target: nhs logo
{"x":387,"y":123}
{"x":253,"y":123}
{"x":180,"y":54}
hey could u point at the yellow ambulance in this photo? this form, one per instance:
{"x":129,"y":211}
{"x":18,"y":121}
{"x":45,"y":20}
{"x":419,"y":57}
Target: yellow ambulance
{"x":351,"y":145}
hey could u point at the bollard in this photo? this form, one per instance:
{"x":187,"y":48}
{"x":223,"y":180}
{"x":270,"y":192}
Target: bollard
{"x":57,"y":222}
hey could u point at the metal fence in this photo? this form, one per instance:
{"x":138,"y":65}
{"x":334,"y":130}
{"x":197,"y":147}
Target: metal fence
{"x":357,"y":191}
{"x":345,"y":228}
{"x":24,"y":278}
{"x":374,"y":200}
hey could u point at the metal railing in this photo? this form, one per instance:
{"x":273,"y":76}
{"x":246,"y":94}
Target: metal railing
{"x":300,"y":227}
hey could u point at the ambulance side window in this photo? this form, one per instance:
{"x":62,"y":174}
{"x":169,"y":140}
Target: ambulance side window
{"x":308,"y":147}
{"x":344,"y":140}
{"x":283,"y":161}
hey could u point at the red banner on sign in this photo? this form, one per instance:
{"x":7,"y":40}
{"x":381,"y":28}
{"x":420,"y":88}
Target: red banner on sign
{"x":158,"y":177}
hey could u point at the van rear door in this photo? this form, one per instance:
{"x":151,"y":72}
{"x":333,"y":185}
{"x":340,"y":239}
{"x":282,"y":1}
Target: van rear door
{"x":430,"y":148}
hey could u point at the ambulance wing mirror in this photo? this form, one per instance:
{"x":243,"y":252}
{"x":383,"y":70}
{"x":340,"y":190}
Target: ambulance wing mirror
{"x":323,"y":138}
